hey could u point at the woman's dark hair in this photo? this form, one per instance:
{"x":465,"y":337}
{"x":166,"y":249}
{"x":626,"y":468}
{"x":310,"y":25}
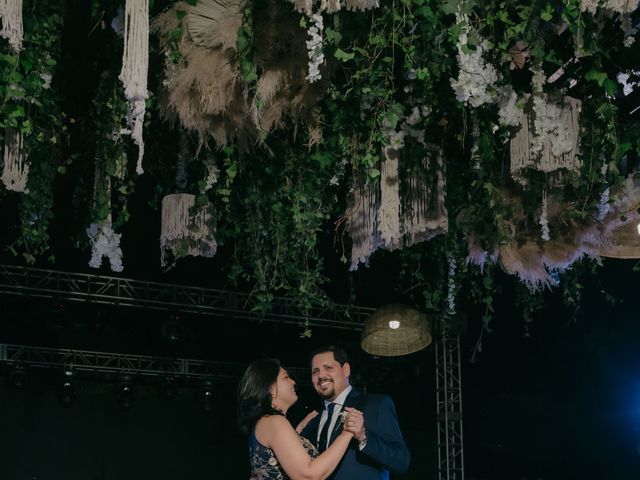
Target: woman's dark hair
{"x":254,"y":397}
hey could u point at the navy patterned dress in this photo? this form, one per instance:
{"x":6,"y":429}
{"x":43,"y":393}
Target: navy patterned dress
{"x":265,"y":465}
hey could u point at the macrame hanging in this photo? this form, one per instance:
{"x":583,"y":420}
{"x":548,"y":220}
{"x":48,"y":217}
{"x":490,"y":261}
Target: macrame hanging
{"x":377,"y":218}
{"x":362,"y":223}
{"x":424,"y":214}
{"x":15,"y":172}
{"x":135,"y":65}
{"x":183,"y":234}
{"x":389,"y":213}
{"x":11,"y":15}
{"x":104,"y":241}
{"x":557,"y":142}
{"x":332,"y":6}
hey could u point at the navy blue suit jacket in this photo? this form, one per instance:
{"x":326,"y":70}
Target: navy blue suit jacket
{"x":385,"y":450}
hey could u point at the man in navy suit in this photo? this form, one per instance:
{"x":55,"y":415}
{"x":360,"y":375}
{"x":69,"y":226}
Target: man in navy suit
{"x":378,"y":447}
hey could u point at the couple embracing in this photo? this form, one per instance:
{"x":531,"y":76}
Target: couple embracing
{"x":355,"y":437}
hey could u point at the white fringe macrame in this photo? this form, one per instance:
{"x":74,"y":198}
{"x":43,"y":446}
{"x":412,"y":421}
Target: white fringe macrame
{"x":389,"y":213}
{"x":11,"y":15}
{"x":567,"y":133}
{"x":425,"y":214}
{"x":362,"y":223}
{"x":332,"y":6}
{"x":16,"y":166}
{"x":180,"y":231}
{"x":378,"y":218}
{"x":135,"y":66}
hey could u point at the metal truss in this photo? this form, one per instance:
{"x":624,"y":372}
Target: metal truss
{"x":120,"y":363}
{"x":101,"y":289}
{"x":449,"y":404}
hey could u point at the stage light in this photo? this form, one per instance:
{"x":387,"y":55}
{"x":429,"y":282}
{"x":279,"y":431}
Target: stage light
{"x":124,"y":391}
{"x":168,"y":388}
{"x":205,"y":396}
{"x":67,"y":391}
{"x":18,"y":376}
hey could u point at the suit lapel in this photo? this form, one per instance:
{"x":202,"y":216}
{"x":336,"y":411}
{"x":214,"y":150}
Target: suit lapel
{"x":352,"y":400}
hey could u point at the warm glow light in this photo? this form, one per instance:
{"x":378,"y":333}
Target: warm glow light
{"x":394,"y":324}
{"x":639,"y":229}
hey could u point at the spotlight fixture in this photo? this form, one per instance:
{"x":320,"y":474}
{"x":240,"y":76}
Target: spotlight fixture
{"x":18,"y":376}
{"x":124,"y":391}
{"x":205,"y":396}
{"x":168,"y":388}
{"x":67,"y":390}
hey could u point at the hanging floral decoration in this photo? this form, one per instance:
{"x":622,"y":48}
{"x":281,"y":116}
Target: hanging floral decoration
{"x":454,"y":135}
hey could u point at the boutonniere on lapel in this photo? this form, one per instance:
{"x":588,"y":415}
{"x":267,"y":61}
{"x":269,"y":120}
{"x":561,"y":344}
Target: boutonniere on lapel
{"x":341,"y":418}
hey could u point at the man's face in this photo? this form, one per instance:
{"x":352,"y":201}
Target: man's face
{"x":328,"y":377}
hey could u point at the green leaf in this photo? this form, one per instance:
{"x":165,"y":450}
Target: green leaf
{"x":597,"y":76}
{"x":332,"y":37}
{"x":547,"y":13}
{"x":343,"y":56}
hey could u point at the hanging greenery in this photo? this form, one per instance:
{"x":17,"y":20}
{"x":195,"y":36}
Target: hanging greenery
{"x":31,"y":106}
{"x":462,"y":137}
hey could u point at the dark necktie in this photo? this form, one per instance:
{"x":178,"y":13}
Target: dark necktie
{"x":324,"y":433}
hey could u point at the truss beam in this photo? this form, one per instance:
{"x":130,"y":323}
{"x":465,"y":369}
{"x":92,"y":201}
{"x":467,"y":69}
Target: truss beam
{"x":79,"y":287}
{"x":114,"y":363}
{"x":449,"y":404}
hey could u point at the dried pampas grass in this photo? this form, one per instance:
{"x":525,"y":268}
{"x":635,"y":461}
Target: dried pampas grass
{"x":206,"y":91}
{"x":532,"y":260}
{"x":215,"y":23}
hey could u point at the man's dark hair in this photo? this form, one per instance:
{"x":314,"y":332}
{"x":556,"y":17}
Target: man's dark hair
{"x":338,"y":353}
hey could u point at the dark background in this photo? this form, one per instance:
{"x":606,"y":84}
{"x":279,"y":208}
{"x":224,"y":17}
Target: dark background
{"x":563,"y":403}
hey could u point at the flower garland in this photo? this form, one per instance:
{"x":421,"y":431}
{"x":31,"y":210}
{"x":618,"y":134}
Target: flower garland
{"x":603,"y":205}
{"x":451,"y":294}
{"x":544,"y":222}
{"x":476,"y":77}
{"x":105,"y":243}
{"x":314,"y":46}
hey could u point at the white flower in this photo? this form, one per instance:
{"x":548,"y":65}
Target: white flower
{"x":603,"y":205}
{"x":451,"y":294}
{"x":627,"y":86}
{"x":548,"y":120}
{"x":543,"y":222}
{"x":509,"y":113}
{"x":212,"y":176}
{"x":622,"y":6}
{"x":46,"y":79}
{"x":476,"y":78}
{"x":334,"y":180}
{"x":590,"y":6}
{"x":104,"y":243}
{"x":314,"y":47}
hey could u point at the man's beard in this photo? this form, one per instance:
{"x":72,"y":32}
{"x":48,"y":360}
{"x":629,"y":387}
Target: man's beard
{"x":326,"y":394}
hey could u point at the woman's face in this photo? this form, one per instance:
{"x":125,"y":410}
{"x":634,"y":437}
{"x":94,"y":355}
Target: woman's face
{"x":283,"y":391}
